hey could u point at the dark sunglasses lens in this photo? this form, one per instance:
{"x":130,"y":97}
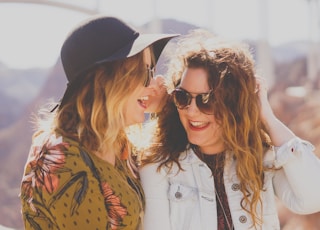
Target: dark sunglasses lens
{"x":181,"y":98}
{"x":205,"y":103}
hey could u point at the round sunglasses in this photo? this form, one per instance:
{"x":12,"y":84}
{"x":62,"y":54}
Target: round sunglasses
{"x":204,"y":101}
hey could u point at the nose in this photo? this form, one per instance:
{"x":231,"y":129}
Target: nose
{"x":192,"y":108}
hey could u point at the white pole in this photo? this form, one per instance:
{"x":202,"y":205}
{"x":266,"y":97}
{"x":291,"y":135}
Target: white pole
{"x":314,"y":35}
{"x":211,"y":15}
{"x":264,"y":56}
{"x":155,"y":26}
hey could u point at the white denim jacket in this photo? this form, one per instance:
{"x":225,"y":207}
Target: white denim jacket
{"x":187,"y":201}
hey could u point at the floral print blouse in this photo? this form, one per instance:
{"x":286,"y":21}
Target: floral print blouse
{"x":65,"y":187}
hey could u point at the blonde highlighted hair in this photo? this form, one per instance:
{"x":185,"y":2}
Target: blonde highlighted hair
{"x":93,"y":114}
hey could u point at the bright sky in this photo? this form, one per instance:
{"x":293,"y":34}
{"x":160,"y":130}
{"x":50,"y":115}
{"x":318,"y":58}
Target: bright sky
{"x":31,"y":34}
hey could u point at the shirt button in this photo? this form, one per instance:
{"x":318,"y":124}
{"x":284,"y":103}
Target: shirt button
{"x":235,"y":187}
{"x":243,"y":219}
{"x":178,"y":195}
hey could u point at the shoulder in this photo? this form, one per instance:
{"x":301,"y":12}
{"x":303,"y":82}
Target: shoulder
{"x":51,"y":152}
{"x":51,"y":168}
{"x":67,"y":154}
{"x":151,"y":168}
{"x":52,"y":161}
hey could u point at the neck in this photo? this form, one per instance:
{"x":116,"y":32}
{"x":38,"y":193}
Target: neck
{"x":210,"y":150}
{"x":107,"y":156}
{"x":205,"y":157}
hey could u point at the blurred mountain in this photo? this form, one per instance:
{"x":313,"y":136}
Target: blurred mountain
{"x":17,"y":89}
{"x":13,"y":109}
{"x":15,"y":141}
{"x":300,"y":111}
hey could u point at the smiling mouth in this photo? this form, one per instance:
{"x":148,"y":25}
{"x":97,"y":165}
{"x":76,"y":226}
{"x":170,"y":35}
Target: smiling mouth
{"x":198,"y":124}
{"x":142,"y":101}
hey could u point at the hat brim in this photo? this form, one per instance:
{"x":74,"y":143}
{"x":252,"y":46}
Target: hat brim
{"x":158,"y":41}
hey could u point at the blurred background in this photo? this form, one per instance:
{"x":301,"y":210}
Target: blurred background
{"x":284,"y":36}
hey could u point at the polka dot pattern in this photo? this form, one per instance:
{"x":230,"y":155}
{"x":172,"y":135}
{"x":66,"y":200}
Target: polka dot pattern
{"x":80,"y":198}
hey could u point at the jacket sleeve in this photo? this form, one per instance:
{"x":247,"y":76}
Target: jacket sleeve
{"x":155,"y":185}
{"x":295,"y":181}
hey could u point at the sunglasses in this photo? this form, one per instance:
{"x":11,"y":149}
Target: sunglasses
{"x":204,"y":101}
{"x":150,"y":75}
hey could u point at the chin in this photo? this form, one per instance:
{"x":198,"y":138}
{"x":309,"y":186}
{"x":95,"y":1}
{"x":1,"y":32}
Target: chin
{"x":196,"y":139}
{"x":139,"y":120}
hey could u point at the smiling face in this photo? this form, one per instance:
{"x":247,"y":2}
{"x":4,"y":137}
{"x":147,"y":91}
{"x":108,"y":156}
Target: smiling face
{"x":136,"y":105}
{"x":202,"y":129}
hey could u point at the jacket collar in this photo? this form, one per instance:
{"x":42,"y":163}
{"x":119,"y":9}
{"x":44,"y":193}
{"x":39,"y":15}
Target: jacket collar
{"x":190,"y":157}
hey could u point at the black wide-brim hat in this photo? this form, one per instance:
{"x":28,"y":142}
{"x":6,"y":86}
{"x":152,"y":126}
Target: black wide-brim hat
{"x":103,"y":39}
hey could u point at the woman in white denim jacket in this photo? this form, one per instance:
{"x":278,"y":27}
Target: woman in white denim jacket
{"x":220,"y":156}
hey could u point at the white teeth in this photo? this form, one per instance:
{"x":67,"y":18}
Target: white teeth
{"x":145,"y":98}
{"x":197,"y":123}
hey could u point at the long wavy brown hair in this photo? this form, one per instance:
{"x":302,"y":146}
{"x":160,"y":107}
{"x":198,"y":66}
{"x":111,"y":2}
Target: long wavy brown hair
{"x":230,"y":67}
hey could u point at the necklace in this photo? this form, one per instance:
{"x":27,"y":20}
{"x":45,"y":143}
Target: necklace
{"x":230,"y":226}
{"x":216,"y":164}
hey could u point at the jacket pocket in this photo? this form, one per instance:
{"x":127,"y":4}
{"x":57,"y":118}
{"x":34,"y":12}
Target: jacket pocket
{"x":182,"y":193}
{"x":183,"y":206}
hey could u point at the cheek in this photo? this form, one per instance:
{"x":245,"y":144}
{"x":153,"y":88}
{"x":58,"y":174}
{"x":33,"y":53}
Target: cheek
{"x":126,"y":113}
{"x":130,"y":106}
{"x":183,"y":120}
{"x":216,"y":129}
{"x":214,"y":124}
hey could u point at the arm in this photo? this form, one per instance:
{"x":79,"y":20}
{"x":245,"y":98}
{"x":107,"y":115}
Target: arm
{"x":278,"y":132}
{"x":297,"y":165}
{"x":155,"y":185}
{"x":296,"y":181}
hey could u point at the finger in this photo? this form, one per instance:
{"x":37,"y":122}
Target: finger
{"x":158,"y":84}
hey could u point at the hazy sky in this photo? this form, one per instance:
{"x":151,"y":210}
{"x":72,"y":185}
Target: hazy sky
{"x":31,"y":35}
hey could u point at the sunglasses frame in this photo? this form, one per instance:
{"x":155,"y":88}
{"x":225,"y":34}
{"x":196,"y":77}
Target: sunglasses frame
{"x":202,"y":100}
{"x":150,"y":73}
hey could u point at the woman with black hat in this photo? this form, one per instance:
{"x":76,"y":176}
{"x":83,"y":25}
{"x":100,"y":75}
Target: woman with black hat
{"x":80,"y":173}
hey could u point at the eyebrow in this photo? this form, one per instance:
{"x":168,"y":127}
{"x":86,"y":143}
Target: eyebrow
{"x":179,"y":87}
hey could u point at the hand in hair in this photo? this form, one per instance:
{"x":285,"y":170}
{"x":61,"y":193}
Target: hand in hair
{"x":278,"y":132}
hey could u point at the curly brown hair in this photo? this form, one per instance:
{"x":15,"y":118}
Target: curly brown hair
{"x":231,"y":76}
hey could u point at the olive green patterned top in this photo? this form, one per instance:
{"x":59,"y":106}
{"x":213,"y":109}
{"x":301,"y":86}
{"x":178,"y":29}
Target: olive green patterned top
{"x":64,"y":187}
